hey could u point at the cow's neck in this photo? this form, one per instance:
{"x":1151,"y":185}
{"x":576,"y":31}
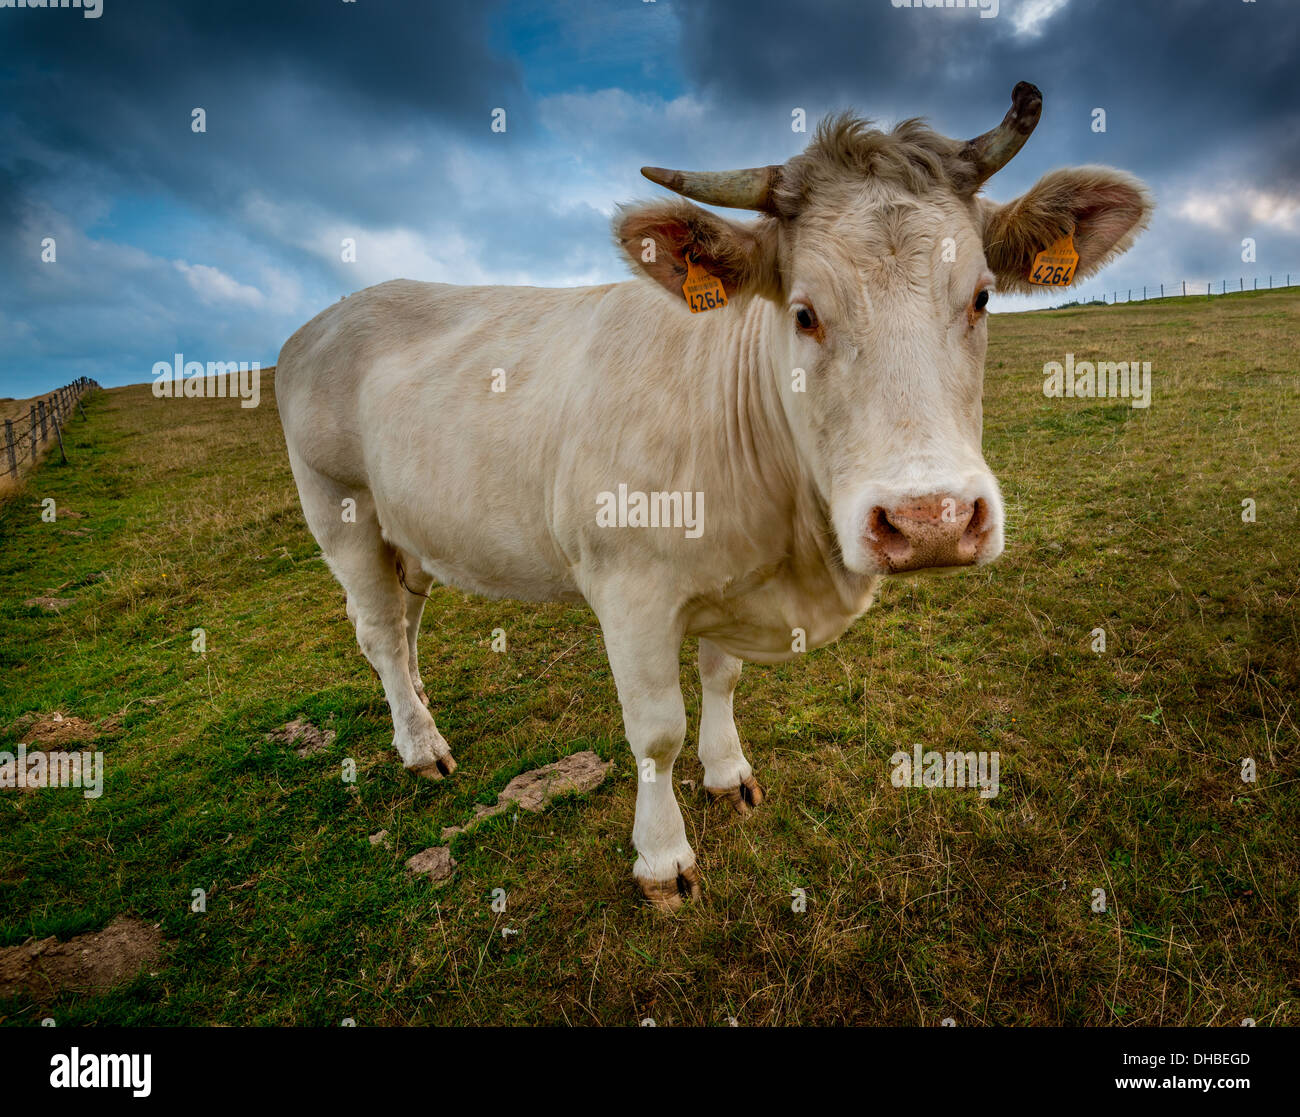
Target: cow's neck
{"x":761,"y":459}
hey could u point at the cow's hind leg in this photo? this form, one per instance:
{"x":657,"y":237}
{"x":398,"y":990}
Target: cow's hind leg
{"x":366,"y":566}
{"x":415,"y":585}
{"x":727,"y":774}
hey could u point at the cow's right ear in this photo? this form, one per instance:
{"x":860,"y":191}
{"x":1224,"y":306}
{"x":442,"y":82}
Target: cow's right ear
{"x":657,"y":237}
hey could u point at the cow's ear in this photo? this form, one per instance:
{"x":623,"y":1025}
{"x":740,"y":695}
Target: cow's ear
{"x":1102,"y":208}
{"x":659,"y":236}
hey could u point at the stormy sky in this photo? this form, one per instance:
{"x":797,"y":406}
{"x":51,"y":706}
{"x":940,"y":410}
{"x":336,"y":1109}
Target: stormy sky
{"x":372,"y":120}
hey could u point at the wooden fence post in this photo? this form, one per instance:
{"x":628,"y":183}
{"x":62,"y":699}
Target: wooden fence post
{"x":40,"y":404}
{"x":32,"y":431}
{"x":9,"y":446}
{"x":59,"y":435}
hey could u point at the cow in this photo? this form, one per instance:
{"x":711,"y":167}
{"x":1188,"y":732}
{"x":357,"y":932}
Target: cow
{"x":820,"y":417}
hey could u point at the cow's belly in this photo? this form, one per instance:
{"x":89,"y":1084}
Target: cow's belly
{"x":501,"y":548}
{"x":523,"y":582}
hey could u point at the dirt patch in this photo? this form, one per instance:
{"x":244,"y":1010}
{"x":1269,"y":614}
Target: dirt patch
{"x":56,"y":729}
{"x":435,"y":862}
{"x":49,"y":604}
{"x":531,"y":791}
{"x":95,"y":961}
{"x":300,"y":732}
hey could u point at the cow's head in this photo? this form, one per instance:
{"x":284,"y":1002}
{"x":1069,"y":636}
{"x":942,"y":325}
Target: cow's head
{"x":878,"y":255}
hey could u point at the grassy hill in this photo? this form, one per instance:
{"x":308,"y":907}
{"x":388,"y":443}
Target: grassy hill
{"x":1120,"y":771}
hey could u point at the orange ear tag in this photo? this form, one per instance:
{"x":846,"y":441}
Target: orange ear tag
{"x":1054,"y":266}
{"x":702,"y":290}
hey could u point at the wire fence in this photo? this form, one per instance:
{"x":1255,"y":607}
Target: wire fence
{"x":1180,"y":289}
{"x":47,"y":418}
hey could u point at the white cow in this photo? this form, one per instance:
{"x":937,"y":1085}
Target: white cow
{"x":820,"y":431}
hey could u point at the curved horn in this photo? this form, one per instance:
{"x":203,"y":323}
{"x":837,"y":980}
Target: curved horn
{"x":994,"y":150}
{"x":748,"y":189}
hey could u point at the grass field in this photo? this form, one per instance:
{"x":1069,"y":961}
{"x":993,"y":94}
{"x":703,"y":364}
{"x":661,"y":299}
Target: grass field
{"x":1119,"y":770}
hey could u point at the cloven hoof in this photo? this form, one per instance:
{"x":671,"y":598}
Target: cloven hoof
{"x":443,"y":766}
{"x":669,"y":895}
{"x":743,"y":798}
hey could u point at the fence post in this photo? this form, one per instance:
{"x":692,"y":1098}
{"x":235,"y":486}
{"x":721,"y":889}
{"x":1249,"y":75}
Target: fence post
{"x":31,"y":430}
{"x":44,"y":430}
{"x":9,"y":446}
{"x":59,"y":435}
{"x":1162,"y":290}
{"x":1144,"y":294}
{"x":1243,"y":283}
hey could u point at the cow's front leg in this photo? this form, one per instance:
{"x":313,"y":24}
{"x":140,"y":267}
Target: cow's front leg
{"x":727,"y":774}
{"x":644,"y":659}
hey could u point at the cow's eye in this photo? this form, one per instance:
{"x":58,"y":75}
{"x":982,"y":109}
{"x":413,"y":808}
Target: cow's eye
{"x":806,"y":319}
{"x":982,"y":299}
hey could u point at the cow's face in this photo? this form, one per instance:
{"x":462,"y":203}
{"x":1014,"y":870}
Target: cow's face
{"x":877,"y":261}
{"x":884,"y":308}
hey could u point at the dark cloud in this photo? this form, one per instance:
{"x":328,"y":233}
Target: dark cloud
{"x":1180,"y":80}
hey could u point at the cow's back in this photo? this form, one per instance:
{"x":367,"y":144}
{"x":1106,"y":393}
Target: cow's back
{"x":455,"y":408}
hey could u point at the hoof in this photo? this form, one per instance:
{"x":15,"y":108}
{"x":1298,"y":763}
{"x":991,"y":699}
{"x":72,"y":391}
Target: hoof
{"x":443,"y":766}
{"x":743,"y":798}
{"x":669,"y":895}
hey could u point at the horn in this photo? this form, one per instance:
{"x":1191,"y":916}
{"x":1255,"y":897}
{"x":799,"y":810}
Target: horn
{"x":994,"y":150}
{"x":748,"y":189}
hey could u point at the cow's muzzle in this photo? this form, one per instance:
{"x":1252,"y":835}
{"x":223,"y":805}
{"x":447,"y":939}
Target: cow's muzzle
{"x":928,"y":533}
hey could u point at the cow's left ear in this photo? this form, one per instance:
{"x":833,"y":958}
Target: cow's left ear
{"x":1104,"y":209}
{"x":657,"y":238}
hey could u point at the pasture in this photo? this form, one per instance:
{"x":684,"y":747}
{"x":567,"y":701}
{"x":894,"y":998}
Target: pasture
{"x":1120,"y":770}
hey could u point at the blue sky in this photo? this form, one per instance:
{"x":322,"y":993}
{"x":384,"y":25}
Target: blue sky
{"x":371,"y":120}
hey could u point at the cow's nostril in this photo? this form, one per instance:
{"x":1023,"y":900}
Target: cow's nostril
{"x":881,"y":528}
{"x":889,"y":541}
{"x":978,"y":523}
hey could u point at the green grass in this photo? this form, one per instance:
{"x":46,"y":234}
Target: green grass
{"x":1119,"y":771}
